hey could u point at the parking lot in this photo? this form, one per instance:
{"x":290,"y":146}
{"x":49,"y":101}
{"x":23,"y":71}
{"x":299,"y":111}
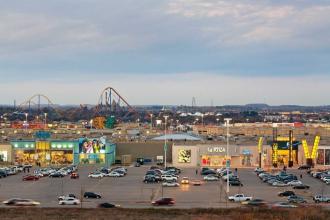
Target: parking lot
{"x":131,"y":192}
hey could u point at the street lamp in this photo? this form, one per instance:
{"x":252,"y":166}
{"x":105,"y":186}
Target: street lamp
{"x":151,"y":115}
{"x":45,"y":120}
{"x":26,"y":120}
{"x":165,"y":146}
{"x":227,"y":120}
{"x":203,"y":120}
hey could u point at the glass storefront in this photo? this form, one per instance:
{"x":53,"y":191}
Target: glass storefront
{"x":327,"y":156}
{"x":213,"y":160}
{"x":92,"y":158}
{"x":24,"y":156}
{"x":61,"y":157}
{"x":320,"y":157}
{"x":3,"y":156}
{"x":283,"y":157}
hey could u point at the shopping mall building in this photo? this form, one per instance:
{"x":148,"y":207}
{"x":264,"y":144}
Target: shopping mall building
{"x":215,"y":155}
{"x":59,"y":152}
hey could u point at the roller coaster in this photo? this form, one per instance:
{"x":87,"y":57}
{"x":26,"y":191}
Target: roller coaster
{"x":112,"y":103}
{"x":110,"y":106}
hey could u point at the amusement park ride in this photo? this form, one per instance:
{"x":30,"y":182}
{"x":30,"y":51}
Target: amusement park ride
{"x":111,"y":107}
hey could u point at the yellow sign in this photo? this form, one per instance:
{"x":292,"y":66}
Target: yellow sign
{"x":261,"y":140}
{"x":314,"y":150}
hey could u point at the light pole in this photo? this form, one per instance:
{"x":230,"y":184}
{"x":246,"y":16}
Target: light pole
{"x":203,"y":120}
{"x":151,"y":115}
{"x":45,"y":120}
{"x":227,"y":120}
{"x":165,"y":146}
{"x":26,"y":120}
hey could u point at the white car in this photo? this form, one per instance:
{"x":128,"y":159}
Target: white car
{"x":169,"y":178}
{"x":326,"y":178}
{"x":211,"y":178}
{"x":295,"y":183}
{"x":69,"y":201}
{"x":114,"y":174}
{"x":171,"y":184}
{"x":279,"y":184}
{"x":239,"y":198}
{"x":66,"y":196}
{"x":96,"y":175}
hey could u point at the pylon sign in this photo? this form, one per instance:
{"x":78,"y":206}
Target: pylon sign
{"x":261,"y":140}
{"x":314,"y":150}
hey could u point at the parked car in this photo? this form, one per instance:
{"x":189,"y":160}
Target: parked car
{"x":66,"y":196}
{"x":296,"y":199}
{"x":30,"y":178}
{"x":239,"y":198}
{"x":114,"y":174}
{"x":319,"y":198}
{"x":150,"y":179}
{"x":21,"y":202}
{"x":286,"y":193}
{"x":74,"y":176}
{"x":279,"y":184}
{"x":164,"y":201}
{"x":301,"y":187}
{"x":235,"y":183}
{"x":96,"y":175}
{"x":107,"y":205}
{"x":169,"y":178}
{"x":208,"y":172}
{"x":3,"y":174}
{"x":171,"y":184}
{"x":56,"y":175}
{"x":69,"y":201}
{"x":295,"y":183}
{"x":92,"y":195}
{"x":211,"y":178}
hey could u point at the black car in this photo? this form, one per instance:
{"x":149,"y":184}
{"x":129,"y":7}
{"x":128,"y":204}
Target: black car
{"x":301,"y":187}
{"x":235,"y":183}
{"x":177,"y":170}
{"x":151,"y":179}
{"x":208,"y":172}
{"x":56,"y":175}
{"x":3,"y":174}
{"x":104,"y":170}
{"x":92,"y":195}
{"x":286,"y":193}
{"x":107,"y":205}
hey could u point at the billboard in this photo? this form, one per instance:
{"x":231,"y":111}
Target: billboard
{"x":184,"y":156}
{"x":92,"y":146}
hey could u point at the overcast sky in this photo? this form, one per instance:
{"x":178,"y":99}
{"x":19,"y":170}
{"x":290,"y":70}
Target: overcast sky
{"x":166,"y":51}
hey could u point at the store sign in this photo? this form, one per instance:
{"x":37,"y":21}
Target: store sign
{"x":216,"y":149}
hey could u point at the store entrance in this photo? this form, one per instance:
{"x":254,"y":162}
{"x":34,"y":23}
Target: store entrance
{"x":283,"y":157}
{"x":213,"y":160}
